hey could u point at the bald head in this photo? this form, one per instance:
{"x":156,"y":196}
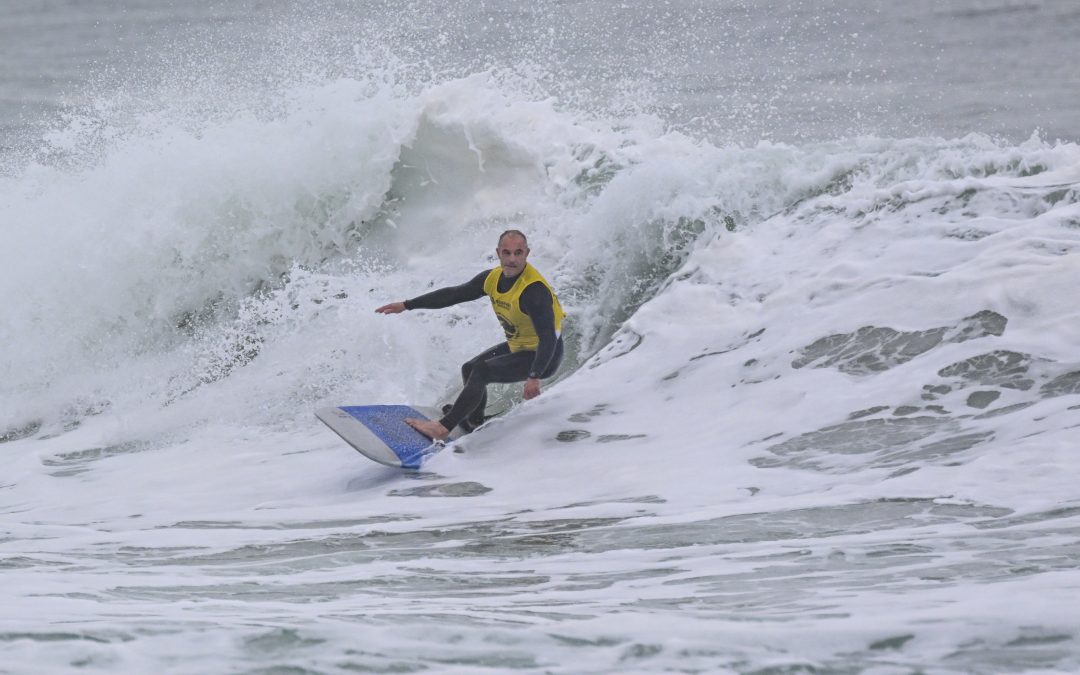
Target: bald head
{"x":514,"y":233}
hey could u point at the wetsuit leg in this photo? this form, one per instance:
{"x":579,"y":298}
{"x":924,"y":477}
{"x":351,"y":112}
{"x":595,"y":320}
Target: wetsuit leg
{"x":475,"y":415}
{"x":496,"y":365}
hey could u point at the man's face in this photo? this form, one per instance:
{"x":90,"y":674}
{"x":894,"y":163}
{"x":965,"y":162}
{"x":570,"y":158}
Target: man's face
{"x":512,"y":254}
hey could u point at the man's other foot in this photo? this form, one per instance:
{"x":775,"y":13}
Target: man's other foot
{"x":430,"y":428}
{"x":469,"y":426}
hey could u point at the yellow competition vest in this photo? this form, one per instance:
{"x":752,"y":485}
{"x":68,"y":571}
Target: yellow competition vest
{"x":520,"y":332}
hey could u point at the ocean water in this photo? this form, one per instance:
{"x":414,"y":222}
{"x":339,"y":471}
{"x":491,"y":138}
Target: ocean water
{"x":820,"y":403}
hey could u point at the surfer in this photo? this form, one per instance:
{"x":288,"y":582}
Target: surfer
{"x":531,"y":317}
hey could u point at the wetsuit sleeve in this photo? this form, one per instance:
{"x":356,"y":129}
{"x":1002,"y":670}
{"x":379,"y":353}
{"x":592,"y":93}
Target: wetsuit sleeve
{"x":473,"y":289}
{"x":536,"y":302}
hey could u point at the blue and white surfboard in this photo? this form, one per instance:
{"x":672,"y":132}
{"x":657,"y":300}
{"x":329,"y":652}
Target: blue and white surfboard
{"x":379,"y":432}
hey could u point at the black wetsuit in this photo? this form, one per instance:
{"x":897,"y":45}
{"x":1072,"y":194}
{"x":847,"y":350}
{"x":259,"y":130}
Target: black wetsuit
{"x":498,"y":364}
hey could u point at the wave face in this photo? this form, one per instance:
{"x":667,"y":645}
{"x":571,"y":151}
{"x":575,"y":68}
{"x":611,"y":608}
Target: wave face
{"x":818,"y":410}
{"x":187,"y":253}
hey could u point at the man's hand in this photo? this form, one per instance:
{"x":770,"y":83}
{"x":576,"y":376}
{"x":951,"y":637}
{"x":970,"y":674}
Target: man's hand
{"x":392,"y":308}
{"x":532,"y":388}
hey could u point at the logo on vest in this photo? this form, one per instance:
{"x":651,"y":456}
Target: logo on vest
{"x":509,"y":328}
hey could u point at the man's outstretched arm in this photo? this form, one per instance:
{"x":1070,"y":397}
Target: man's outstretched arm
{"x":473,"y":289}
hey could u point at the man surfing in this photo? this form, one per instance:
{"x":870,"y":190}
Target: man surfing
{"x":530,"y":315}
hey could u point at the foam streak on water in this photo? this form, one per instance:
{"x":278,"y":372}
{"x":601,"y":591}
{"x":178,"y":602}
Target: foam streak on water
{"x":818,"y":411}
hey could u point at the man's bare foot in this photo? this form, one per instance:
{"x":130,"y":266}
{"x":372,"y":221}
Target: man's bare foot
{"x":430,"y":428}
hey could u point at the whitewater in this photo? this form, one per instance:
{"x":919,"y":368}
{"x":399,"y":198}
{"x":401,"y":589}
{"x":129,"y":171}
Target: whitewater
{"x":818,"y":411}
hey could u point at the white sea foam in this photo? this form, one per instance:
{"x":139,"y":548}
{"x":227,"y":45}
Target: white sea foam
{"x":818,"y":413}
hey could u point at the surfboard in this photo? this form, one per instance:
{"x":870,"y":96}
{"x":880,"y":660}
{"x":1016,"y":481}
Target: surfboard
{"x":379,"y":432}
